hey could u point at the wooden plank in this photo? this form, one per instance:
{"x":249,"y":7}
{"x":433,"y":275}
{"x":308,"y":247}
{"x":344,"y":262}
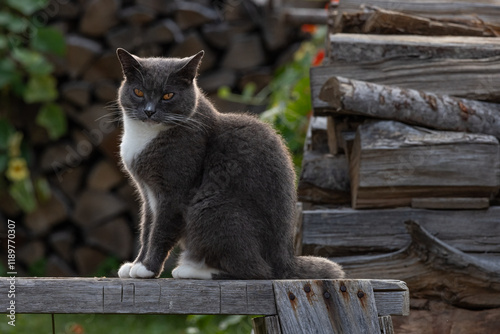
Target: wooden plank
{"x":437,"y":111}
{"x":165,"y":296}
{"x":391,"y":163}
{"x":472,"y":78}
{"x":487,"y":11}
{"x":340,"y":306}
{"x":464,"y":203}
{"x":426,"y":263}
{"x":161,"y":296}
{"x":386,"y":326}
{"x":355,"y":48}
{"x":343,"y":232}
{"x":266,"y":325}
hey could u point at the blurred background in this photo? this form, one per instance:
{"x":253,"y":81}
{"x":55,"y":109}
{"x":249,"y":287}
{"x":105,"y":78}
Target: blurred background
{"x":76,"y":213}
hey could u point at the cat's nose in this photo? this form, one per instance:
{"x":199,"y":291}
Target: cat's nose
{"x":149,"y":110}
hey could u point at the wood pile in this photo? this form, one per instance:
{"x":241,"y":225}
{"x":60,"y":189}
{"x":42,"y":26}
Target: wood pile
{"x":401,"y":169}
{"x":92,"y":216}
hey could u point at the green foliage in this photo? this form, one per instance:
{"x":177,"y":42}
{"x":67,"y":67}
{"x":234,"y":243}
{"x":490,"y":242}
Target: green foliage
{"x":26,"y":74}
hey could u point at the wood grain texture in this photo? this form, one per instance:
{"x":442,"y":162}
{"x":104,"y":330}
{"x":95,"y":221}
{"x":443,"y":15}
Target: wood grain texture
{"x":166,"y":296}
{"x":266,"y":325}
{"x":376,"y":20}
{"x":161,"y":296}
{"x":454,"y":10}
{"x":391,"y":163}
{"x":354,"y":48}
{"x":465,"y":203}
{"x":324,"y":179}
{"x":434,"y":270}
{"x":386,"y":326}
{"x":348,"y":232}
{"x":340,"y":306}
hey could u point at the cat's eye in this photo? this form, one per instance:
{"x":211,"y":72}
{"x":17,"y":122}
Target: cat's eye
{"x":138,"y":92}
{"x":168,"y":96}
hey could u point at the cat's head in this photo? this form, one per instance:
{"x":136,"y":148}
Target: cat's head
{"x":158,"y":90}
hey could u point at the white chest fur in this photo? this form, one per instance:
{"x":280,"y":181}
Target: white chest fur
{"x":136,"y":136}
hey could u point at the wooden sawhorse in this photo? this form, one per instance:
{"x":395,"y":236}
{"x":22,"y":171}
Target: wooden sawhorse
{"x":288,"y":306}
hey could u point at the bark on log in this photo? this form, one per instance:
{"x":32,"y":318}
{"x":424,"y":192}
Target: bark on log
{"x":411,"y":106}
{"x":487,"y":11}
{"x":472,"y":78}
{"x":324,"y":179}
{"x":434,"y":270}
{"x":376,"y":20}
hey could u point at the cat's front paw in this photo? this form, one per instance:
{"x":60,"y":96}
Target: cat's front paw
{"x":139,"y":270}
{"x":124,"y":271}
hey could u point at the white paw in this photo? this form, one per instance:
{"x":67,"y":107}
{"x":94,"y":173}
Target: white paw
{"x":185,"y":271}
{"x":124,"y":271}
{"x":140,"y":271}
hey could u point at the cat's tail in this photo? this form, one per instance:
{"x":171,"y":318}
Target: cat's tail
{"x":312,"y":267}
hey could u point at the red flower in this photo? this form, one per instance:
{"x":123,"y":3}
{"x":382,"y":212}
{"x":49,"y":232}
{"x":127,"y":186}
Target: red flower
{"x":318,"y":59}
{"x":308,"y":28}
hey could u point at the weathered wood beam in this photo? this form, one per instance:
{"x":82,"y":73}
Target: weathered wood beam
{"x":433,"y":269}
{"x":165,"y":296}
{"x":354,"y":48}
{"x":436,"y":111}
{"x":348,"y":232}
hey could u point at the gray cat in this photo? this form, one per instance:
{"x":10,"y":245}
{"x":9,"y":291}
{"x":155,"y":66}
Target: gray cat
{"x":220,"y":185}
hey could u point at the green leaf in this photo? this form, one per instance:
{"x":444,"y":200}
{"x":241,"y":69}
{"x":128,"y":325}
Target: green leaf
{"x":49,"y":40}
{"x":52,"y":118}
{"x":27,"y":7}
{"x":40,"y":88}
{"x":33,"y":61}
{"x":42,"y":189}
{"x":14,"y":23}
{"x":6,"y":131}
{"x":3,"y":161}
{"x":22,"y":192}
{"x":8,"y":72}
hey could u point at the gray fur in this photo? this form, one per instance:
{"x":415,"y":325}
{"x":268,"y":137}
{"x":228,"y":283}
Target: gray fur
{"x":224,"y":183}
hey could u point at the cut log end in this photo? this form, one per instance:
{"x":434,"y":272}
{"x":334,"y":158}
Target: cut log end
{"x":330,"y":92}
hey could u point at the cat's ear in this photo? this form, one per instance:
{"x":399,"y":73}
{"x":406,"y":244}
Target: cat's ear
{"x":130,"y":65}
{"x":190,"y":69}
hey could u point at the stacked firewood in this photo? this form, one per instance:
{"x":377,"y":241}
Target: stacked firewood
{"x":402,"y":160}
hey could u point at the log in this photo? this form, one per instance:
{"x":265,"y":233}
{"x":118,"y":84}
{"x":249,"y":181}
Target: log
{"x":348,"y":232}
{"x":435,"y":270}
{"x":324,"y":179}
{"x":380,"y":21}
{"x":411,"y":106}
{"x":487,"y":11}
{"x":472,"y":78}
{"x":392,"y":163}
{"x":317,"y":137}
